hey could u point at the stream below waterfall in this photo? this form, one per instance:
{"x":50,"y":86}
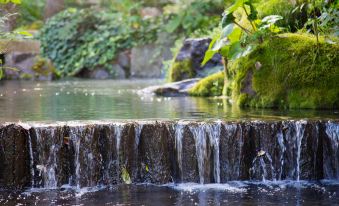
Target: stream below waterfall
{"x":232,"y":193}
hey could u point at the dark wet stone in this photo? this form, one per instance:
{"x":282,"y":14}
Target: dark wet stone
{"x":154,"y":153}
{"x":14,"y":156}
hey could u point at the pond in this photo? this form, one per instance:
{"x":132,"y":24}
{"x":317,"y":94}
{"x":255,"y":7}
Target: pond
{"x":120,"y":99}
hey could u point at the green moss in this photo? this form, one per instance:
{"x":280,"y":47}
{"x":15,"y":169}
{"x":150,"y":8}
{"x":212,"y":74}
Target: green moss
{"x":181,"y":70}
{"x":209,"y":86}
{"x":294,"y":74}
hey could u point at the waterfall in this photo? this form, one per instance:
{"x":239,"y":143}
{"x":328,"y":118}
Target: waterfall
{"x":300,"y":129}
{"x":332,"y":131}
{"x":47,"y":162}
{"x":94,"y":154}
{"x":31,"y":160}
{"x":75,"y":138}
{"x":282,"y":146}
{"x":199,"y":135}
{"x":213,"y":131}
{"x":179,"y":132}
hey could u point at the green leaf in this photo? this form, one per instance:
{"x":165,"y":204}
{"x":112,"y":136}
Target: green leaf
{"x":227,"y":31}
{"x":236,"y":5}
{"x":228,"y":18}
{"x":272,"y":19}
{"x":253,"y":14}
{"x":208,"y":56}
{"x":174,"y":23}
{"x":25,"y":33}
{"x":235,"y":35}
{"x":220,"y":43}
{"x":125,"y":176}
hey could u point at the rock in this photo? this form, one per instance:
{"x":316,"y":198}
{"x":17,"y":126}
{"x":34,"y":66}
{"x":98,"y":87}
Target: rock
{"x":124,"y":60}
{"x":180,"y":88}
{"x":21,"y":65}
{"x":146,"y":62}
{"x":14,"y":156}
{"x":162,"y":152}
{"x":150,"y":12}
{"x":187,"y":63}
{"x":288,"y":77}
{"x":101,"y":73}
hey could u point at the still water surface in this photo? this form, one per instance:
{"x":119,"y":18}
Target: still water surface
{"x":119,"y":99}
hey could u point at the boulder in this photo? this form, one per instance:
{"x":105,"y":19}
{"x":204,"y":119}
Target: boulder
{"x":101,"y":73}
{"x":187,"y":63}
{"x":22,"y":65}
{"x":146,"y":62}
{"x":180,"y":88}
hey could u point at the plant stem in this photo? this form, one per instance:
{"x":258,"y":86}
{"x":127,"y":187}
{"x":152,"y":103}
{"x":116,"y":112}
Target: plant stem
{"x":254,"y":29}
{"x":225,"y":75}
{"x":243,"y":28}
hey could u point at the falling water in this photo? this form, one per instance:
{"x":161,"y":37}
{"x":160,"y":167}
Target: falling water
{"x":300,"y":129}
{"x":280,"y":138}
{"x":199,"y":135}
{"x":332,"y":131}
{"x":213,"y":131}
{"x":179,"y":131}
{"x":31,"y":159}
{"x":75,"y":138}
{"x":137,"y":129}
{"x":48,"y":160}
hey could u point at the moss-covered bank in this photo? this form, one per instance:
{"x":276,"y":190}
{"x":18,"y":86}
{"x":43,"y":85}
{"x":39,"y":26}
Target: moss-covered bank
{"x":287,"y":71}
{"x":181,"y":70}
{"x":209,"y":86}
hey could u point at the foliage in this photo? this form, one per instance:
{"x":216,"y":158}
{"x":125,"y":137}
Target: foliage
{"x":186,"y":17}
{"x":291,"y":20}
{"x":236,"y":38}
{"x":209,"y":86}
{"x":291,"y":75}
{"x":10,"y":1}
{"x":31,"y":14}
{"x":77,"y":39}
{"x":6,"y":35}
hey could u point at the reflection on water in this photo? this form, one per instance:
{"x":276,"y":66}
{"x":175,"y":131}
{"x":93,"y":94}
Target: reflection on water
{"x":118,"y":99}
{"x":233,"y":193}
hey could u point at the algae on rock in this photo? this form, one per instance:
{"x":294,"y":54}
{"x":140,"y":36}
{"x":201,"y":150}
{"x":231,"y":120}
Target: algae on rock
{"x":286,"y":71}
{"x":209,"y":86}
{"x":293,"y":73}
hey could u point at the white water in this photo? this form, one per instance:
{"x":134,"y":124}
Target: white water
{"x":332,"y":131}
{"x":300,"y":129}
{"x":178,"y":137}
{"x":199,"y":135}
{"x":213,"y":131}
{"x":47,"y":161}
{"x":31,"y":160}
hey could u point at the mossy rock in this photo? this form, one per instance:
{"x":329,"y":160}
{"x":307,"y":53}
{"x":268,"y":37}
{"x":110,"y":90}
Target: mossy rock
{"x":288,"y":71}
{"x":209,"y":86}
{"x":181,"y":70}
